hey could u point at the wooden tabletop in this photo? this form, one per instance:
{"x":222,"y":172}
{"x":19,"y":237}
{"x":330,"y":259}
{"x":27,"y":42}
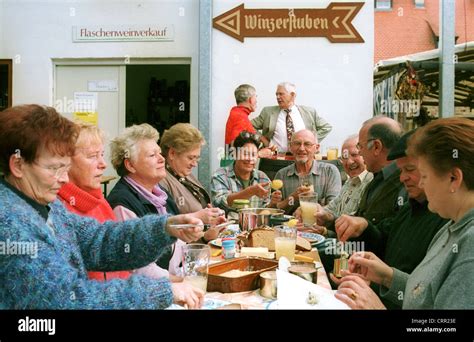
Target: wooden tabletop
{"x":252,"y":299}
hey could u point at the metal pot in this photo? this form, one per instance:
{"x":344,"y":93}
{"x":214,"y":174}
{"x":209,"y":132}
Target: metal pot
{"x":252,"y":218}
{"x":305,"y":270}
{"x":268,"y":284}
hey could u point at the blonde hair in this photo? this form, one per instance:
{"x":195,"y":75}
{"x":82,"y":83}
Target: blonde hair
{"x":182,"y":137}
{"x":89,"y":134}
{"x":124,"y":146}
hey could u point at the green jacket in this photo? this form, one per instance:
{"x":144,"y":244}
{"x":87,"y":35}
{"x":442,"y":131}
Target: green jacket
{"x":268,"y":117}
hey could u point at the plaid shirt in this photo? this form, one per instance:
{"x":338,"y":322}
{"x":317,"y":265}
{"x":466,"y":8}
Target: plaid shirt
{"x":326,"y":180}
{"x":225,"y":181}
{"x":348,"y":200}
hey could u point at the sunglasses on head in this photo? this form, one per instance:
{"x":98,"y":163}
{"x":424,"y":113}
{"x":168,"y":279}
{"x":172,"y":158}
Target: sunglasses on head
{"x":248,"y":135}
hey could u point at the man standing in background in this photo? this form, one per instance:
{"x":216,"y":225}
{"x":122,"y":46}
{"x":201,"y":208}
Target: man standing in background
{"x":278,"y":123}
{"x":238,"y":121}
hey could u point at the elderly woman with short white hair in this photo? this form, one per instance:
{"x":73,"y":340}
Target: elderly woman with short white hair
{"x":137,"y":158}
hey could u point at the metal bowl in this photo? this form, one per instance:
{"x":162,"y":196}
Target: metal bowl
{"x":304,"y":270}
{"x":252,"y":218}
{"x":268,"y":284}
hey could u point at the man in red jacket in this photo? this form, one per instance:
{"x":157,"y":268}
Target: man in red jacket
{"x":238,"y":121}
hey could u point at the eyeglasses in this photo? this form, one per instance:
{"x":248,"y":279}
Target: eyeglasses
{"x":57,"y":171}
{"x":359,"y":146}
{"x":306,"y":144}
{"x":194,"y":158}
{"x":346,"y":156}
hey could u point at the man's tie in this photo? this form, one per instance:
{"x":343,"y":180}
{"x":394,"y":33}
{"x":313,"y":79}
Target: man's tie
{"x":290,"y":129}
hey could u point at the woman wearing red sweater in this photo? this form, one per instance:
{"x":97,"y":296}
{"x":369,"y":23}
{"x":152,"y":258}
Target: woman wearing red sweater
{"x":83,"y":195}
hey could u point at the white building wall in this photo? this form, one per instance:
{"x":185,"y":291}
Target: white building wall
{"x":2,"y":43}
{"x":37,"y":31}
{"x":336,"y":79}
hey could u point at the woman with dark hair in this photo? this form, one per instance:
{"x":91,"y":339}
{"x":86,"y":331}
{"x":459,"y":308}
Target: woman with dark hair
{"x":241,"y":180}
{"x":444,"y":279}
{"x":57,"y":246}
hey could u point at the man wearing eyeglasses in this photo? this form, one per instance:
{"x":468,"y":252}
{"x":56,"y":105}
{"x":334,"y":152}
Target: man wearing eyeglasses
{"x":324,"y":177}
{"x":278,"y":123}
{"x":348,"y":200}
{"x":384,"y":195}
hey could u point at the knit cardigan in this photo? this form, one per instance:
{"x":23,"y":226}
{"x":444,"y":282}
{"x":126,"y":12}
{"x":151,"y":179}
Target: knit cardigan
{"x":90,"y":204}
{"x":67,"y":245}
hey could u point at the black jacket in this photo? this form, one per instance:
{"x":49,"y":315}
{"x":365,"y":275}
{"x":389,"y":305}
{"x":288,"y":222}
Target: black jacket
{"x":125,"y":195}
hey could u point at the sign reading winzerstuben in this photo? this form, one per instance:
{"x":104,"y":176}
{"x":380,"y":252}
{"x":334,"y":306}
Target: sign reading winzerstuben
{"x":333,"y":22}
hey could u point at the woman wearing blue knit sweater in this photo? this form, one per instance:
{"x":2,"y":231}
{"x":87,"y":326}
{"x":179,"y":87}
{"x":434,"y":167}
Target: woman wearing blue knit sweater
{"x":45,"y":250}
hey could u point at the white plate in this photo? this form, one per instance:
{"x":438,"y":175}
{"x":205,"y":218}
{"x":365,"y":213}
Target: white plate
{"x":313,"y":238}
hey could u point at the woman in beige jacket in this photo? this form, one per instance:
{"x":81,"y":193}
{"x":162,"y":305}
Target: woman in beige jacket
{"x":181,"y":147}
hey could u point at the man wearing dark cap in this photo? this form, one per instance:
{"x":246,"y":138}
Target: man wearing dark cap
{"x":402,"y":240}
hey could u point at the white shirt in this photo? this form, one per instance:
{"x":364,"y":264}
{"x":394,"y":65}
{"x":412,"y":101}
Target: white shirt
{"x":280,"y":138}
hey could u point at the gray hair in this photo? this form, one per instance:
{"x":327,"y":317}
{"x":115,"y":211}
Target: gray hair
{"x":385,"y":129}
{"x":384,"y":133}
{"x":289,"y":87}
{"x":350,"y":138}
{"x":243,"y":92}
{"x":124,"y":146}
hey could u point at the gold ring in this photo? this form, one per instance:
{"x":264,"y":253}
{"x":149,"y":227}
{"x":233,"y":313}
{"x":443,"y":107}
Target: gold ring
{"x":353,"y":295}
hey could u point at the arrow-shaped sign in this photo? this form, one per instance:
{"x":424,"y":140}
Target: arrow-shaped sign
{"x":334,"y":22}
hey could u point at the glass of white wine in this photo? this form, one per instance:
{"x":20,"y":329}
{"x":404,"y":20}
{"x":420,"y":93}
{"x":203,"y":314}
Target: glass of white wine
{"x":307,"y":182}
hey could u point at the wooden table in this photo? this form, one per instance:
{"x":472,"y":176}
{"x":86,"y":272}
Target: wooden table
{"x":252,"y":299}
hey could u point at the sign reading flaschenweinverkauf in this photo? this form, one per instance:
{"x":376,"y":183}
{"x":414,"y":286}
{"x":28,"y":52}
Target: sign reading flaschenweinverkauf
{"x":123,"y":33}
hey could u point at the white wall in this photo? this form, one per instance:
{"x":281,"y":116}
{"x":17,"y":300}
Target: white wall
{"x":336,"y":79}
{"x":2,"y":43}
{"x":39,"y":30}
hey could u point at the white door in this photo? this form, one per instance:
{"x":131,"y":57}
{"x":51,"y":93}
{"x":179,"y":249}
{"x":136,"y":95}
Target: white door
{"x":110,"y":103}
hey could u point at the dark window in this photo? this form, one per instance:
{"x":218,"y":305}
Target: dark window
{"x":5,"y":83}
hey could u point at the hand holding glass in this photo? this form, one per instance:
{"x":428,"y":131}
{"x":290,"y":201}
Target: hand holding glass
{"x":309,"y":207}
{"x":285,"y":242}
{"x":195,"y":264}
{"x":307,"y":182}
